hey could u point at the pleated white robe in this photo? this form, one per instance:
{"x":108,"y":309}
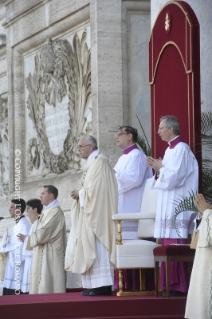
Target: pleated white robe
{"x":178,"y":176}
{"x":131,"y":174}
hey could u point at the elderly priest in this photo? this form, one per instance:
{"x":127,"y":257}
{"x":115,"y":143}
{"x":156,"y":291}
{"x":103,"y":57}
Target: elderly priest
{"x":91,"y":245}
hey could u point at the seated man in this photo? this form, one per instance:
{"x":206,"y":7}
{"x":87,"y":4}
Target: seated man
{"x":48,"y":240}
{"x":13,"y":248}
{"x":199,"y":295}
{"x":33,"y":208}
{"x":91,"y":245}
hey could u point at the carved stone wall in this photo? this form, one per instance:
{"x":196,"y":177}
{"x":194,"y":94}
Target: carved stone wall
{"x":4,"y":150}
{"x":58,"y":101}
{"x":73,"y":67}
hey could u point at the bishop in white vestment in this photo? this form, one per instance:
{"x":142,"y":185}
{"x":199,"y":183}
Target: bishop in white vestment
{"x":91,"y":245}
{"x":176,"y":176}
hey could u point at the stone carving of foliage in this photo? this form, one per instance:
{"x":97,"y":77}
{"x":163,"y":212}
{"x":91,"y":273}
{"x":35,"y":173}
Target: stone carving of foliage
{"x":4,"y":149}
{"x":61,"y":70}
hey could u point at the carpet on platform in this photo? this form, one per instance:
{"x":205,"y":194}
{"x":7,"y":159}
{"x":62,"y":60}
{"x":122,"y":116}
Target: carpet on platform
{"x":73,"y":305}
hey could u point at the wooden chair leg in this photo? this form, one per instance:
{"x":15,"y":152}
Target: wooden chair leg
{"x":156,"y":277}
{"x":120,"y":280}
{"x":142,"y":279}
{"x":168,"y":263}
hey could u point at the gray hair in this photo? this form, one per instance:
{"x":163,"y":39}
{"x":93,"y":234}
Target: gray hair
{"x":172,"y":121}
{"x":89,"y":139}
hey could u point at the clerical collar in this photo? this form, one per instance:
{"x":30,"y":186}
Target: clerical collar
{"x":55,"y":203}
{"x":175,"y":141}
{"x":130,"y":148}
{"x":92,"y":155}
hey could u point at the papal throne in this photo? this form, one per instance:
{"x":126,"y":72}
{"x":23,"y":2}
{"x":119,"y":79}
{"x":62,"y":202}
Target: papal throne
{"x":131,"y":254}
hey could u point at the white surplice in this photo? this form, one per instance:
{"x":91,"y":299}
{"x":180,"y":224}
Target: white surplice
{"x":15,"y":265}
{"x":101,"y":273}
{"x":131,"y":174}
{"x":178,"y":176}
{"x":27,"y":258}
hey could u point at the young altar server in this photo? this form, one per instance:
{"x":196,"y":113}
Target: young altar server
{"x":48,"y":240}
{"x":131,"y":173}
{"x":13,"y":249}
{"x":33,"y":209}
{"x":176,"y":176}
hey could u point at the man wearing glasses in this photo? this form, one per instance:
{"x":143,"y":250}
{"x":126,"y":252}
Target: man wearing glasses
{"x":91,"y":245}
{"x":131,"y":173}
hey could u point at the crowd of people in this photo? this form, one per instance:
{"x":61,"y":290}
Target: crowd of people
{"x":37,"y":253}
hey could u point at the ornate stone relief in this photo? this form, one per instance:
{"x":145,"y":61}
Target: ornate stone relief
{"x":4,"y":149}
{"x":59,"y":104}
{"x":33,"y":155}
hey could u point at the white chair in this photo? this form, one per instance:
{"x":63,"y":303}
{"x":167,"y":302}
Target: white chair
{"x":132,"y":254}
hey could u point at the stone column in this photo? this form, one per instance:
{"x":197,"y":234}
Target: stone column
{"x":106,"y":65}
{"x":203,"y":11}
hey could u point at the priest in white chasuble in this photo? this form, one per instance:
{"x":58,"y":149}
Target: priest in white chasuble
{"x":33,"y":209}
{"x":199,"y":297}
{"x":176,"y":175}
{"x":12,"y":249}
{"x":92,"y":242}
{"x":131,"y":173}
{"x":48,"y":240}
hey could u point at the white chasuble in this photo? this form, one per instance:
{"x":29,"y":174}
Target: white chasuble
{"x":177,"y":177}
{"x":27,"y":258}
{"x":15,"y":265}
{"x":199,"y":299}
{"x":48,"y":240}
{"x":91,"y":244}
{"x":131,"y":174}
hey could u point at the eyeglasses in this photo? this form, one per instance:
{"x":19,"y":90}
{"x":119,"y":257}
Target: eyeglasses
{"x":119,"y":134}
{"x":81,"y":146}
{"x":161,"y":128}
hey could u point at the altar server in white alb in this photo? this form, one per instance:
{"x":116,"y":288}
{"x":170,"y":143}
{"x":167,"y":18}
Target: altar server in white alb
{"x":33,"y":209}
{"x":176,"y":176}
{"x":92,"y":242}
{"x":131,"y":173}
{"x":13,"y":249}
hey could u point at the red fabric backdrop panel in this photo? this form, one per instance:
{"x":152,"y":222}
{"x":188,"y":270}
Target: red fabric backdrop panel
{"x":174,"y":74}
